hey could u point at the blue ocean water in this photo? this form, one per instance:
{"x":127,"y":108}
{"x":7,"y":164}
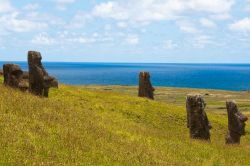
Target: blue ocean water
{"x":211,"y":76}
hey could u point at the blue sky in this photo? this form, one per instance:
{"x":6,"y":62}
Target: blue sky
{"x":169,"y":31}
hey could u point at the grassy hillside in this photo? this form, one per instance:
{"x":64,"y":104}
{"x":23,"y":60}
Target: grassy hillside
{"x":80,"y":126}
{"x":215,"y":98}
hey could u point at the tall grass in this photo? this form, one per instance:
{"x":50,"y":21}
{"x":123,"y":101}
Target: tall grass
{"x":76,"y":126}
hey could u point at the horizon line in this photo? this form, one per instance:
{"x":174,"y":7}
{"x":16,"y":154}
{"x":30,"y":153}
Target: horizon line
{"x":117,"y":62}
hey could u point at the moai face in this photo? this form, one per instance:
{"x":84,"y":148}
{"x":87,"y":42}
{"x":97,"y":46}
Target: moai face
{"x":196,"y":105}
{"x":16,"y":72}
{"x":197,"y":120}
{"x":34,"y":58}
{"x":236,"y":120}
{"x":12,"y":75}
{"x":145,"y":76}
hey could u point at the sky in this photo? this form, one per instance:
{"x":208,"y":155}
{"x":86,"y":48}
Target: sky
{"x":150,"y":31}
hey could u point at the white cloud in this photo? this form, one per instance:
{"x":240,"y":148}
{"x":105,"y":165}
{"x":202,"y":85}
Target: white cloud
{"x":222,"y":16}
{"x":187,"y":27}
{"x":51,"y":20}
{"x":110,"y":10}
{"x":155,"y":10}
{"x":62,"y":4}
{"x":241,"y":25}
{"x":122,"y":25}
{"x":79,"y":20}
{"x":212,"y":6}
{"x":13,"y":23}
{"x":201,"y":41}
{"x":79,"y":39}
{"x":31,"y":6}
{"x":43,"y":39}
{"x":70,"y":39}
{"x":207,"y":23}
{"x":5,"y":6}
{"x":169,"y":44}
{"x":132,"y":39}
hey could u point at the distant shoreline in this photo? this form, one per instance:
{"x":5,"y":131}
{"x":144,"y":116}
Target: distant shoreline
{"x":156,"y":87}
{"x":168,"y":63}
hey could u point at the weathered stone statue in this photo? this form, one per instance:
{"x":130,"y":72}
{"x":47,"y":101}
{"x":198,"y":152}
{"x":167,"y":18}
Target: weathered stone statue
{"x":54,"y":82}
{"x":145,"y":87}
{"x":13,"y":76}
{"x":197,"y":120}
{"x":39,"y":80}
{"x":236,"y":123}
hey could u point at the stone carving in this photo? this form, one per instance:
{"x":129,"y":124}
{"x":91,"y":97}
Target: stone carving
{"x":145,"y":87}
{"x":13,"y":77}
{"x":54,"y":83}
{"x":236,"y":123}
{"x":26,"y":75}
{"x":39,"y":80}
{"x":197,"y":120}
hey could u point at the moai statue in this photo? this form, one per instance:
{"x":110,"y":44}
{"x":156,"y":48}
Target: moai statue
{"x":39,"y":80}
{"x":13,"y":76}
{"x":26,"y":75}
{"x":236,"y":123}
{"x":197,"y":120}
{"x":54,"y":83}
{"x":145,"y":87}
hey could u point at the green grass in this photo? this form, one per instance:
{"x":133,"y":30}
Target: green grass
{"x":96,"y":126}
{"x":215,"y":99}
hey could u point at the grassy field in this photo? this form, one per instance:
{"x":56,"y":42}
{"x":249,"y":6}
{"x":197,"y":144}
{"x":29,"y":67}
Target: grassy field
{"x":96,"y":125}
{"x":215,"y":99}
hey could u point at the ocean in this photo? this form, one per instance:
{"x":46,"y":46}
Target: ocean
{"x":234,"y":77}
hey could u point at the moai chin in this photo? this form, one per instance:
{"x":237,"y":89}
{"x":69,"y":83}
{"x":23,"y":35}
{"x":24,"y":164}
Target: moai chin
{"x":197,"y":120}
{"x":13,"y":76}
{"x":145,"y":87}
{"x":39,"y":80}
{"x":236,"y":123}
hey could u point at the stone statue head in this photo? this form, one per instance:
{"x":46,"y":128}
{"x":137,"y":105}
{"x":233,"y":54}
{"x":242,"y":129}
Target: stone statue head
{"x":34,"y":58}
{"x":145,"y":76}
{"x":236,"y":120}
{"x":12,"y":75}
{"x":197,"y":103}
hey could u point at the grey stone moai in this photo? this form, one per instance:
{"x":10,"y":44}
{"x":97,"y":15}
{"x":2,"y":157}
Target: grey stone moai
{"x":145,"y":87}
{"x":197,"y":120}
{"x":39,"y":80}
{"x":236,"y":123}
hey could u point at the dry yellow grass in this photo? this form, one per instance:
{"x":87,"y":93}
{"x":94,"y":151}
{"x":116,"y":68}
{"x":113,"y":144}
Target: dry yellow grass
{"x":78,"y":126}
